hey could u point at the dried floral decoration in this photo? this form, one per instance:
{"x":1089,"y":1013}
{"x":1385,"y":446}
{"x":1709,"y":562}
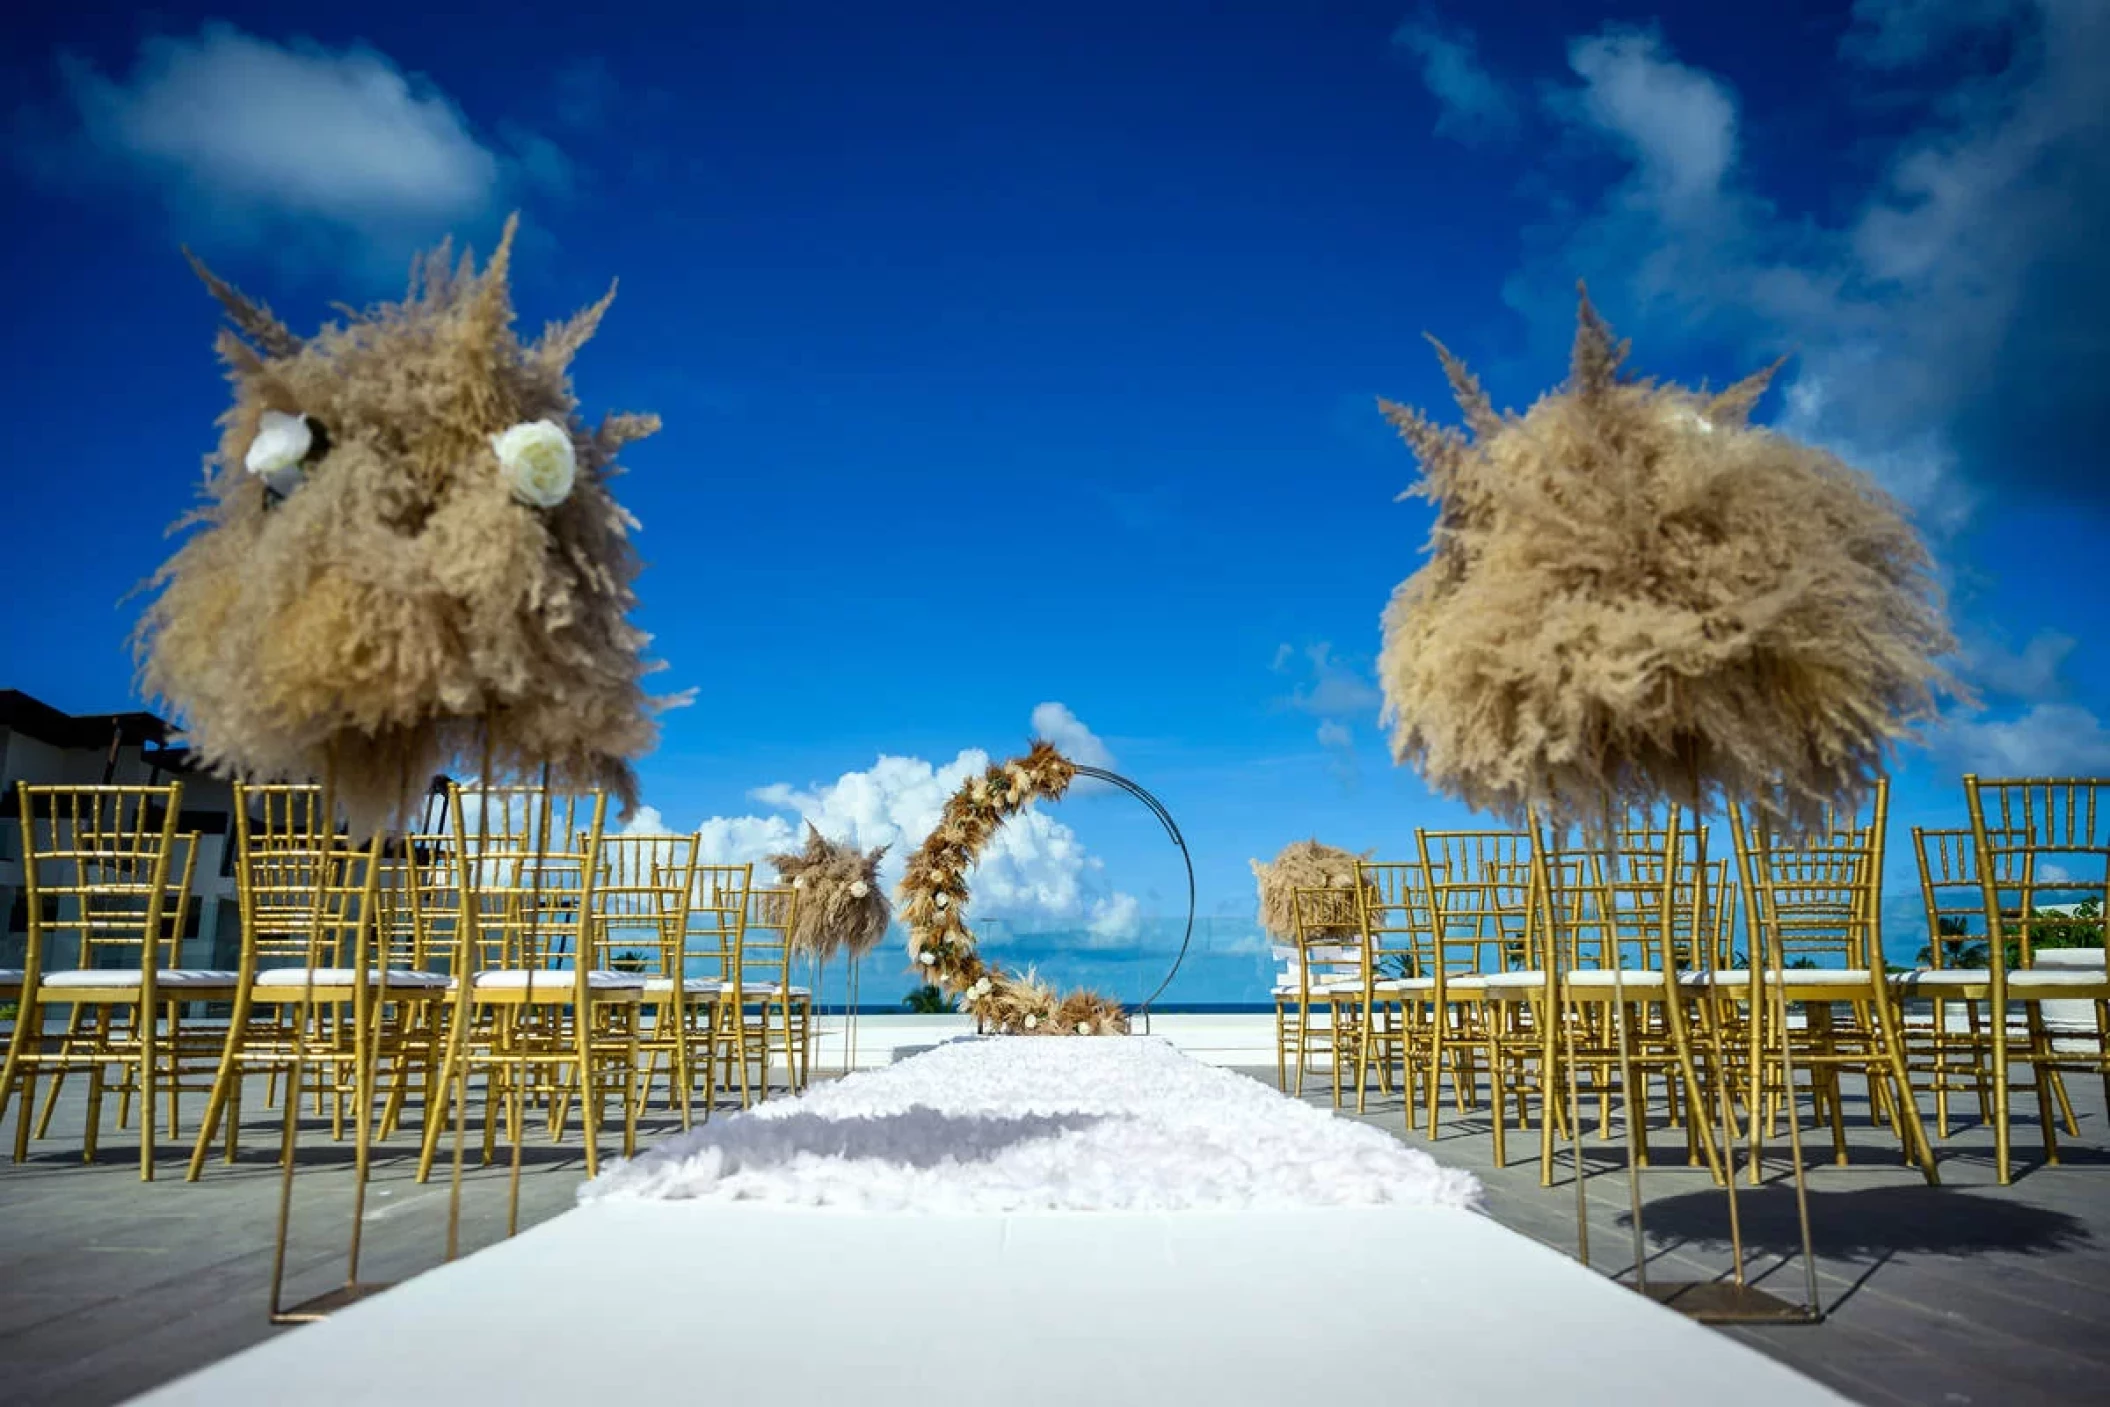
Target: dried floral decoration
{"x":1633,"y":595}
{"x":1303,"y":864}
{"x":934,"y":893}
{"x":842,"y":908}
{"x":408,"y":552}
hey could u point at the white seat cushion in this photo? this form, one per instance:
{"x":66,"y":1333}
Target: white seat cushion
{"x":1946,"y":977}
{"x":694,"y":986}
{"x":11,"y":976}
{"x":1606,"y":977}
{"x":1497,"y":980}
{"x":1822,"y":977}
{"x":2026,"y":978}
{"x":1468,"y":982}
{"x":132,"y":977}
{"x":554,"y":982}
{"x":274,"y":977}
{"x":1335,"y":987}
{"x":770,"y":989}
{"x":1399,"y":986}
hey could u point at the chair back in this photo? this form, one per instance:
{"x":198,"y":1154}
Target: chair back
{"x":105,"y":877}
{"x":716,"y":935}
{"x":1634,"y":901}
{"x":1953,"y":894}
{"x":287,"y":856}
{"x":1397,"y":929}
{"x":420,"y":901}
{"x":1328,"y":961}
{"x":1479,"y":886}
{"x":526,"y":900}
{"x":763,"y":954}
{"x":1815,"y":900}
{"x":2042,"y":848}
{"x":642,"y":901}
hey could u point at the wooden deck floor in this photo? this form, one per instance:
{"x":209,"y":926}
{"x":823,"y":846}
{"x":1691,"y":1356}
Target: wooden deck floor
{"x":1967,"y":1293}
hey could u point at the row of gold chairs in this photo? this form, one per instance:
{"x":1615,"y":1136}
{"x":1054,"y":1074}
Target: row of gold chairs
{"x":516,"y":941}
{"x":1550,"y":972}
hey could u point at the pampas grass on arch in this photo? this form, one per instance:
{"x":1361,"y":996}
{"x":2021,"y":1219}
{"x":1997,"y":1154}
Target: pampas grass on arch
{"x":400,"y":611}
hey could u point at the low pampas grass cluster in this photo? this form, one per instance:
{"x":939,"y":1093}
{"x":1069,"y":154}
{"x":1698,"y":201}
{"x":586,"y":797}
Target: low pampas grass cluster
{"x":842,"y":908}
{"x":1305,"y":864}
{"x":408,"y":556}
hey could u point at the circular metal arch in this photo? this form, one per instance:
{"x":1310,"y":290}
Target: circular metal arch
{"x":1172,"y":829}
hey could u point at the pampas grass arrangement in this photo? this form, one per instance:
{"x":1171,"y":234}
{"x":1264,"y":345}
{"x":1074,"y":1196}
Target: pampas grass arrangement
{"x":1303,"y":864}
{"x":408,"y":556}
{"x":934,"y":894}
{"x":842,"y":906}
{"x":1633,"y":594}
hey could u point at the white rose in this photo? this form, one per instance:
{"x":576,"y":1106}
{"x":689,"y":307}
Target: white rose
{"x":858,"y":889}
{"x":942,"y":900}
{"x":1084,"y":1028}
{"x":538,"y":461}
{"x":799,"y":883}
{"x":929,"y":959}
{"x":281,"y":443}
{"x":1031,"y":1022}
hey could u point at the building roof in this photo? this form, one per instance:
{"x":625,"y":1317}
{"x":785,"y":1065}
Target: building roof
{"x":37,"y":719}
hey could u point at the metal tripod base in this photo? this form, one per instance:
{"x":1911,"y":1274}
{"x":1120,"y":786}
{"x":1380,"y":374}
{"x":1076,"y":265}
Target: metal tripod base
{"x":1726,"y":1302}
{"x":324,"y":1305}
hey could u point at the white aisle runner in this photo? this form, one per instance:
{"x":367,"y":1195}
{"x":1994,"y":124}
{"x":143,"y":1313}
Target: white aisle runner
{"x":772,"y":1262}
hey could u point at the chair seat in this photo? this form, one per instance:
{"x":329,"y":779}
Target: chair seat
{"x":1340,"y":987}
{"x":1820,"y":977}
{"x":2022,"y":980}
{"x":1468,"y":982}
{"x":11,"y":976}
{"x":693,"y":987}
{"x":555,"y":982}
{"x":1397,"y":986}
{"x":1498,"y":980}
{"x":1607,"y":977}
{"x":172,"y":977}
{"x":276,"y":977}
{"x":752,"y":990}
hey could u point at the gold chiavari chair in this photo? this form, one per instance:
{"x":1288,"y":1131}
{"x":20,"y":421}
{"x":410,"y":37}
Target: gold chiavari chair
{"x":647,"y":883}
{"x":1618,"y":924}
{"x":534,"y":1006}
{"x":1953,"y":963}
{"x":2038,"y":839}
{"x":1397,"y":937}
{"x":1322,"y":1014}
{"x":1814,"y":915}
{"x":312,"y":976}
{"x":98,"y":866}
{"x":1478,"y":885}
{"x":420,"y":900}
{"x":185,"y":1057}
{"x":712,"y":944}
{"x":766,"y":1004}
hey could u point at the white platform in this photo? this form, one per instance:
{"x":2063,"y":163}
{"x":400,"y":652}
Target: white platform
{"x":665,"y":1302}
{"x":744,"y":1291}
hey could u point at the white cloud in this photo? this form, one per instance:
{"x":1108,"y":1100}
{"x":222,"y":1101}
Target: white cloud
{"x":1471,"y":102}
{"x":646,"y":820}
{"x":1899,"y":33}
{"x":1333,"y":734}
{"x":251,"y":139}
{"x":1951,"y":327}
{"x":2035,"y":673}
{"x":2045,"y":740}
{"x":1677,"y":123}
{"x":1336,"y":688}
{"x":1035,"y":870}
{"x":1055,"y":722}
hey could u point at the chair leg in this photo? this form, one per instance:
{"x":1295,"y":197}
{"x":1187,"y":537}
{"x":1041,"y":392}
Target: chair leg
{"x":2002,"y":1152}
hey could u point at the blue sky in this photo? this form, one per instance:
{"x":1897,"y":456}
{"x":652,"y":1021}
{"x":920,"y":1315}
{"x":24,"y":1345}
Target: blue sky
{"x":1021,"y":358}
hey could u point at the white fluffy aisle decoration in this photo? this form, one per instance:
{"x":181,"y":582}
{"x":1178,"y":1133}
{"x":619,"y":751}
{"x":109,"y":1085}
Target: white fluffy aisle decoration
{"x":994,"y":1125}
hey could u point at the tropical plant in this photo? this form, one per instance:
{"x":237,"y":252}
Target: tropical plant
{"x":631,"y":961}
{"x":929,"y":1000}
